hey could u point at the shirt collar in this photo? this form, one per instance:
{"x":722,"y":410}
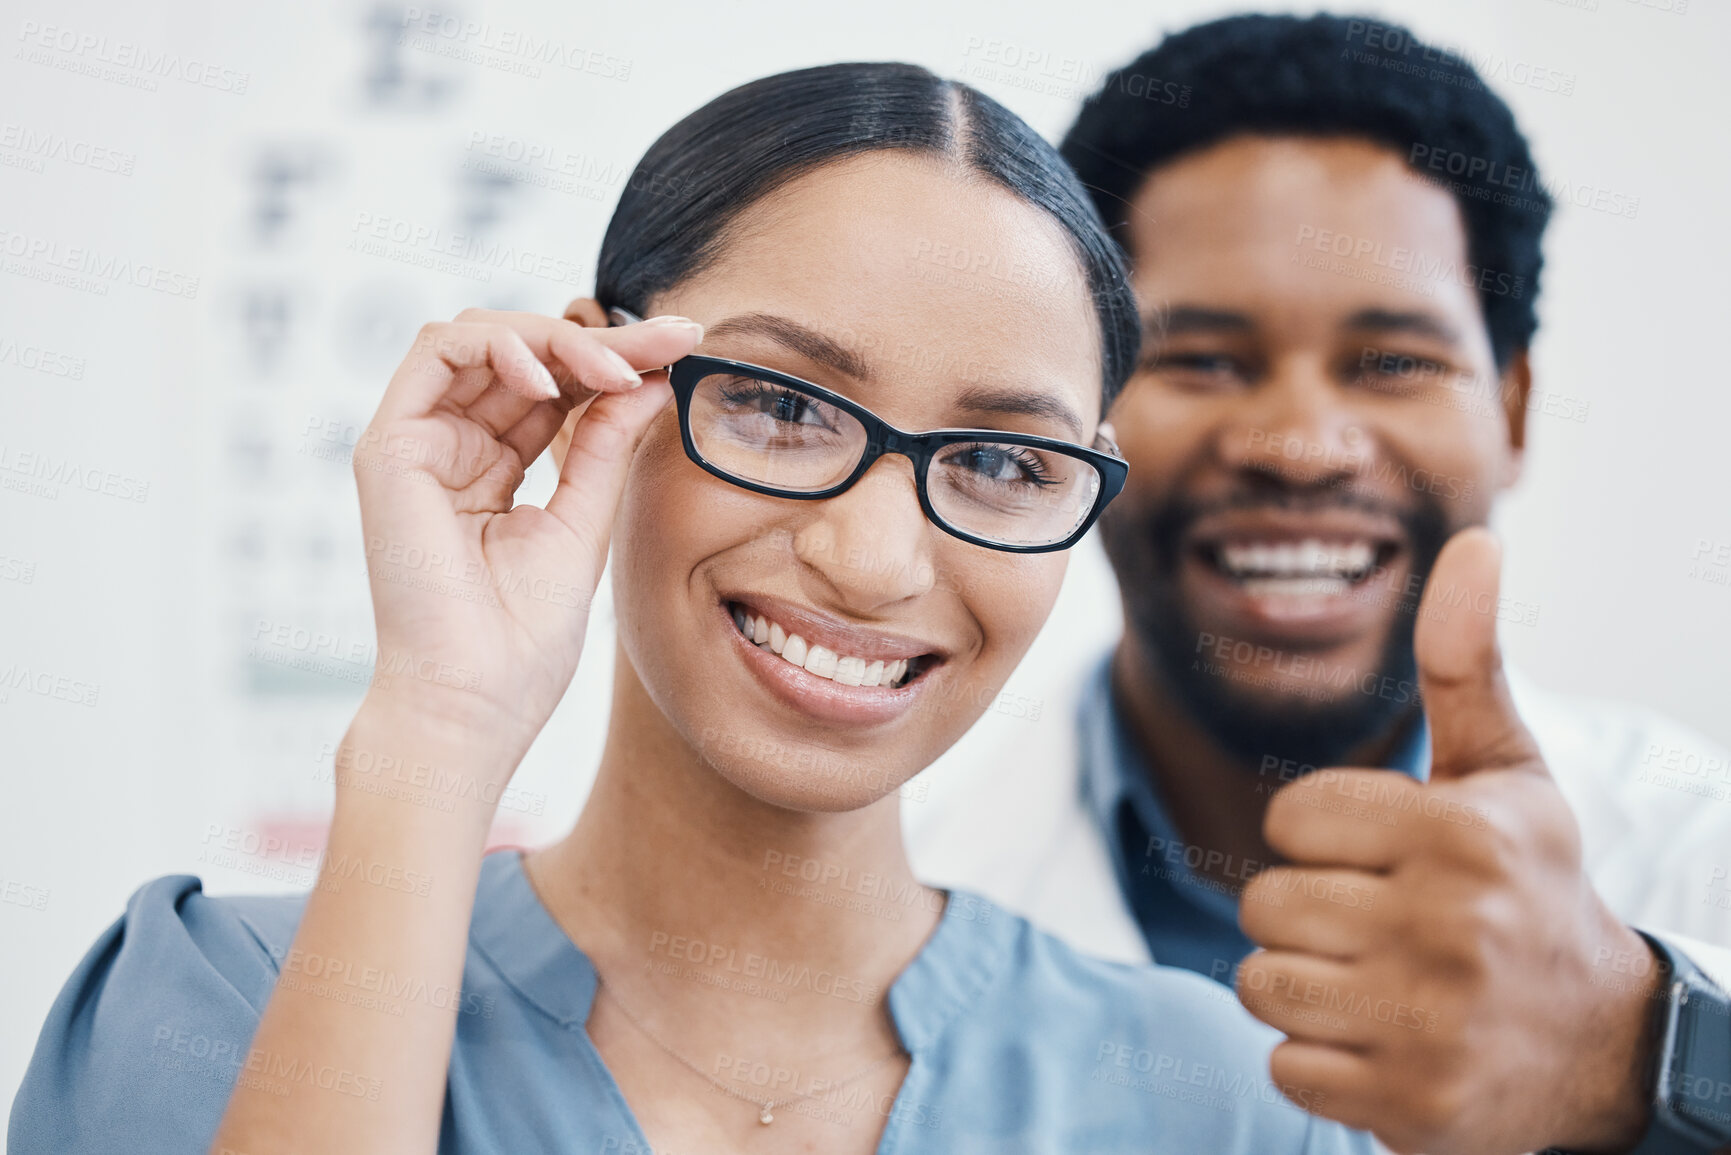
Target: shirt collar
{"x":532,"y":952}
{"x":534,"y":955}
{"x":1412,"y":756}
{"x":1113,"y":770}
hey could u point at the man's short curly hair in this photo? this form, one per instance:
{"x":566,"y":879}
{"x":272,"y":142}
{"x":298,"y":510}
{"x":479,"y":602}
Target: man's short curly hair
{"x":1329,"y":76}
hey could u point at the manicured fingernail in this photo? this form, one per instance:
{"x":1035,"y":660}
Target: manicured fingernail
{"x":681,"y":322}
{"x":624,"y":370}
{"x":545,"y":380}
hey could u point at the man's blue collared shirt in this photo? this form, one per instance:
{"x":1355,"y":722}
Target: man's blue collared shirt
{"x":1189,"y":919}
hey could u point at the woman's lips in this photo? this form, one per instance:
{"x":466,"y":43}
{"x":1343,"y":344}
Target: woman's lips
{"x":823,"y":687}
{"x":836,"y":634}
{"x":815,"y":658}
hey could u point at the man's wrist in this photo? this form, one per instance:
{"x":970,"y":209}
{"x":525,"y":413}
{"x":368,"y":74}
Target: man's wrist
{"x":1693,"y":1080}
{"x":1666,"y":1062}
{"x":1616,"y":1105}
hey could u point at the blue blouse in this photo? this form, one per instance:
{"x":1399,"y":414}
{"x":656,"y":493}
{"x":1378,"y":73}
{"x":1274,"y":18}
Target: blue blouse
{"x":1019,"y":1045}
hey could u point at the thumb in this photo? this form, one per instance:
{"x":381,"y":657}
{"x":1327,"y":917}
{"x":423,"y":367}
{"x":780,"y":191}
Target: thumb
{"x":1473,"y":723}
{"x":592,"y":476}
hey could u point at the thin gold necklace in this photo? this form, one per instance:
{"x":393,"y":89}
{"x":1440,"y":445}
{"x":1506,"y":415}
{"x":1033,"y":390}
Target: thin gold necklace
{"x":766,"y":1113}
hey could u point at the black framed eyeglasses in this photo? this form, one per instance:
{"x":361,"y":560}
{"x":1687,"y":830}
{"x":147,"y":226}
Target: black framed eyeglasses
{"x":773,"y":433}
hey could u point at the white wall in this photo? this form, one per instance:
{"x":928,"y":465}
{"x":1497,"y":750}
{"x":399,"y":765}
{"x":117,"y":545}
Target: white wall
{"x":151,"y":608}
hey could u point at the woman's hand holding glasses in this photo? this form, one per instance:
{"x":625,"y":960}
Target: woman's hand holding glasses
{"x":480,"y":607}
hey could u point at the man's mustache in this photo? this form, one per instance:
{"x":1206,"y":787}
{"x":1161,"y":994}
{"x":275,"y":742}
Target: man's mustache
{"x":1170,"y":522}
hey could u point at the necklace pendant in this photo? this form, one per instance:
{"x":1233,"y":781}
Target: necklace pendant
{"x":764,"y":1116}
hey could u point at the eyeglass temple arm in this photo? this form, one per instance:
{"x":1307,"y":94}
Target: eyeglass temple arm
{"x":617,"y":316}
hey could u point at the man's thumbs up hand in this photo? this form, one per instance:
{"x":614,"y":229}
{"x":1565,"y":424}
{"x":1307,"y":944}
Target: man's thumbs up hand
{"x":1473,"y":723}
{"x":1434,"y":952}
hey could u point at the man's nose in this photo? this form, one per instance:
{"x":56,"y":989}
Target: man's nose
{"x":1299,"y":427}
{"x":872,"y":544}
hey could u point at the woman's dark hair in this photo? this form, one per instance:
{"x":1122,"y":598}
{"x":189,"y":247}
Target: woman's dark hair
{"x":1330,"y":76}
{"x":674,"y":214}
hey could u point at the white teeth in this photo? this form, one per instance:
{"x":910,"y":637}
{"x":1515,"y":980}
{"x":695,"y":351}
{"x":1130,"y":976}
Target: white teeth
{"x":821,"y":661}
{"x":814,"y":659}
{"x":1300,"y":587}
{"x":1309,"y":559}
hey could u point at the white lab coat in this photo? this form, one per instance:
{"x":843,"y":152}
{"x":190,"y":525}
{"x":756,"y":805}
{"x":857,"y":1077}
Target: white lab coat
{"x":1002,"y":815}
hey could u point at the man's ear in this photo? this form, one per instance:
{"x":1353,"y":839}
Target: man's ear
{"x":1516,"y":388}
{"x":585,"y":311}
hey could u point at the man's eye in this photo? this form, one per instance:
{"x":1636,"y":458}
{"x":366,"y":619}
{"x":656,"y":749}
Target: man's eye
{"x":1399,"y":372}
{"x":1413,"y":367}
{"x":1199,"y":368}
{"x":1203,"y":362}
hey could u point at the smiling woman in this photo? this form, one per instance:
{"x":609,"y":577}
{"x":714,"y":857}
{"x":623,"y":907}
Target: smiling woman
{"x":827,"y":555}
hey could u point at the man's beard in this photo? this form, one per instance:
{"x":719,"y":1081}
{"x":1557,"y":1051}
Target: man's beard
{"x":1146,"y":553}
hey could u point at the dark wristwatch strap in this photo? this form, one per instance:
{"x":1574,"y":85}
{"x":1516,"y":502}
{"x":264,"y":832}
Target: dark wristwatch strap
{"x":1691,"y":1046}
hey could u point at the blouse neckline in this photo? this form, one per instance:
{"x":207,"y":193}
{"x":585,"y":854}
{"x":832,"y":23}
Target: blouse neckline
{"x":534,"y":955}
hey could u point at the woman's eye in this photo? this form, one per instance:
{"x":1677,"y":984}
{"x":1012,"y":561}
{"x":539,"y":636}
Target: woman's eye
{"x":991,"y":463}
{"x":780,"y":405}
{"x":787,"y":407}
{"x":1001,"y":463}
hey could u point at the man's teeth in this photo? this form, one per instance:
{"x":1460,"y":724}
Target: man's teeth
{"x":1305,"y":567}
{"x":1300,"y":587}
{"x":814,"y":659}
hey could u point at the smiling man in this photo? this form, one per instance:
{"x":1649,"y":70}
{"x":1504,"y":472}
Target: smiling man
{"x":1336,"y":242}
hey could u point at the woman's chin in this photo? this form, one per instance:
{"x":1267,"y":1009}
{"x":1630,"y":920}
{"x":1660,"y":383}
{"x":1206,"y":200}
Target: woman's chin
{"x":804,"y":777}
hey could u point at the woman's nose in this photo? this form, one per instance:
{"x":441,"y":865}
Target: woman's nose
{"x":872,"y":543}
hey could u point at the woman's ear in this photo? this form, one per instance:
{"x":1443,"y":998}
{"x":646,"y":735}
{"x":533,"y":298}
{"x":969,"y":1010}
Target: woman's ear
{"x":587,"y":312}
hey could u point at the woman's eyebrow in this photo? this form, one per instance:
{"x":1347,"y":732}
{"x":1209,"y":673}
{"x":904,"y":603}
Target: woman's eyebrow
{"x":808,"y":343}
{"x":814,"y":346}
{"x":985,"y":399}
